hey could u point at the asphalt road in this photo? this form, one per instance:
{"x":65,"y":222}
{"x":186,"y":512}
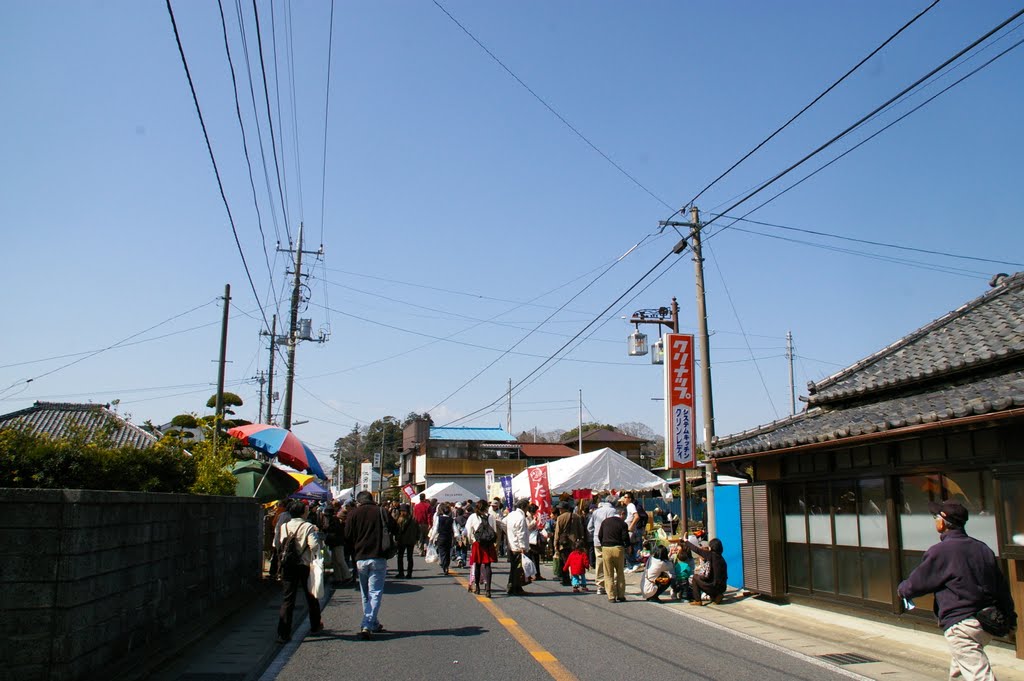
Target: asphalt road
{"x":436,"y":630}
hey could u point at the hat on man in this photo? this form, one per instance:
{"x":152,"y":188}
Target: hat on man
{"x":951,"y":511}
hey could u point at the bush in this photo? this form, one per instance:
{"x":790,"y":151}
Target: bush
{"x":31,"y":461}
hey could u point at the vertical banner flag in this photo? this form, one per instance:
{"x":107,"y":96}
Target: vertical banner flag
{"x":679,"y":402}
{"x":488,"y":480}
{"x":506,"y":486}
{"x":366,"y":476}
{"x":410,"y":491}
{"x":540,"y":494}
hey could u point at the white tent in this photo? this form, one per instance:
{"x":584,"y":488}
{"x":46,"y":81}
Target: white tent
{"x":602,"y":470}
{"x":449,"y":491}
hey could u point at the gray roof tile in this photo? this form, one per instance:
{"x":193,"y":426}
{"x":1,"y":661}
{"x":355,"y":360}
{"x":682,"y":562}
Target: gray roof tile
{"x":59,"y":419}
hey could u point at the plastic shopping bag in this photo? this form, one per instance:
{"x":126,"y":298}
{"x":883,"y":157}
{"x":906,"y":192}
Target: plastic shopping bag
{"x":529,"y":569}
{"x":315,"y":583}
{"x":431,"y":556}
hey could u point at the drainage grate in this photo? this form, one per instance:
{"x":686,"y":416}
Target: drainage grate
{"x":846,"y":658}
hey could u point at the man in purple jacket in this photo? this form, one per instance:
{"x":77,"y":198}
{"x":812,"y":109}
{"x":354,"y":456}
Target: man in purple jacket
{"x":965,"y":577}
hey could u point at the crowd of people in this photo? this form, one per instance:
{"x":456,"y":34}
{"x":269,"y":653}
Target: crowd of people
{"x":356,"y":540}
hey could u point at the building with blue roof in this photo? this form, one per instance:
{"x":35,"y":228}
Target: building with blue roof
{"x":432,"y":454}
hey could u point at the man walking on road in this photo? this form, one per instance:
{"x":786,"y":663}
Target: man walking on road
{"x":965,"y":577}
{"x":421,"y":513}
{"x":604,"y":511}
{"x":614,"y":536}
{"x":364,"y":529}
{"x":518,"y":543}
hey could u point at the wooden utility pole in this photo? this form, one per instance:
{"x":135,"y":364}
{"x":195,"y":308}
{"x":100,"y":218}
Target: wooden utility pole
{"x":707,"y":404}
{"x":219,"y":409}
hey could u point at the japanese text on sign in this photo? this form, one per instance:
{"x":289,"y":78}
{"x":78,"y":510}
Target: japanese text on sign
{"x":679,"y":402}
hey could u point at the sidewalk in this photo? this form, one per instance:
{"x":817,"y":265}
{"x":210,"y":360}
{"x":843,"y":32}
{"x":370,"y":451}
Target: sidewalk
{"x":243,"y":647}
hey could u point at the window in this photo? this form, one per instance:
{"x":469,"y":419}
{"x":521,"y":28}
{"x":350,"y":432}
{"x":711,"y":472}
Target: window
{"x":874,"y":526}
{"x":1012,"y":492}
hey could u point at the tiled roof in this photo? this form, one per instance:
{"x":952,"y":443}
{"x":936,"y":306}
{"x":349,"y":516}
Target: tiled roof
{"x":986,"y":331}
{"x":472,"y":434}
{"x":968,"y":362}
{"x":981,"y":396}
{"x":546,"y":450}
{"x":59,"y":419}
{"x":604,"y":435}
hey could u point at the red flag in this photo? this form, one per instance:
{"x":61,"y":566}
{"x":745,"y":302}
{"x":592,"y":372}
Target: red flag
{"x":540,"y":493}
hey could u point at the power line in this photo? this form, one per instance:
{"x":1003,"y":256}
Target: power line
{"x":245,"y":142}
{"x":93,"y":353}
{"x":868,"y":116}
{"x":875,"y":243}
{"x":289,"y":46}
{"x":812,"y":102}
{"x":550,"y":108}
{"x":213,"y":161}
{"x":327,"y":111}
{"x":280,"y":119}
{"x":270,"y":118}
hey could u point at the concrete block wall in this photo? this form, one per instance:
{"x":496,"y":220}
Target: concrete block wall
{"x":88,"y":578}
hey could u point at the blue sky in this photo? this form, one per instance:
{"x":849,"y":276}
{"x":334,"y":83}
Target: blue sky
{"x":458,"y":212}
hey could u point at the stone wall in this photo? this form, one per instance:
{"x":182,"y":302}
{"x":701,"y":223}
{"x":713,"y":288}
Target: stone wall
{"x":89,"y":578}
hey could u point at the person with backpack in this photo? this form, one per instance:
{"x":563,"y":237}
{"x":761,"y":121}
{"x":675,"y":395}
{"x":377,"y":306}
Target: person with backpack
{"x":480,"y":530}
{"x":299,"y":543}
{"x":370,"y":530}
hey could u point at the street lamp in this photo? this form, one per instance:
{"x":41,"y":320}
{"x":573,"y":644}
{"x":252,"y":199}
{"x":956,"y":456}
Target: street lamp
{"x":637,"y":343}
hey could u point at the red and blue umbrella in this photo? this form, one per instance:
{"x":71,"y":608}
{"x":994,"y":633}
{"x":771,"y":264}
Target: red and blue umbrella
{"x":283,"y":444}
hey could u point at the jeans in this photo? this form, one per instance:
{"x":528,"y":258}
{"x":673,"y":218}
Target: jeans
{"x":371,"y":587}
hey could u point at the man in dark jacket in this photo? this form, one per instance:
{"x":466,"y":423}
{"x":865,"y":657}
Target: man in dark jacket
{"x":569,"y":528}
{"x":965,"y":577}
{"x":365,"y":527}
{"x":614,"y":537}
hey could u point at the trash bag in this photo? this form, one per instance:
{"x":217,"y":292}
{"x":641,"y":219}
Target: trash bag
{"x":315,"y":583}
{"x":529,"y":569}
{"x":431,"y":556}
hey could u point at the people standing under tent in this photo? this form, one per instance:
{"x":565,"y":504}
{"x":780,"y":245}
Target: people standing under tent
{"x":614,"y":536}
{"x":713,"y":581}
{"x":480,"y":532}
{"x":517,"y":531}
{"x":576,"y":565}
{"x":408,"y":535}
{"x":537,"y":537}
{"x":604,"y":510}
{"x":591,"y":553}
{"x":569,"y":529}
{"x":299,"y":543}
{"x":421,"y":513}
{"x":364,"y":529}
{"x":658,"y":575}
{"x":442,"y":534}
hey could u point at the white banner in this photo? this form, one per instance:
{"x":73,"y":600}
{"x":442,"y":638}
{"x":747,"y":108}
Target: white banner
{"x":488,"y":480}
{"x":366,"y":476}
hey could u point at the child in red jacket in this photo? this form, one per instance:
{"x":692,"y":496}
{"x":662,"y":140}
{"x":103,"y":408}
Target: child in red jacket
{"x":576,"y":564}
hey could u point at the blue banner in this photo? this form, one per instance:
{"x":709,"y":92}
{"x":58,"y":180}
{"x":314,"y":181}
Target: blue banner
{"x":506,"y":486}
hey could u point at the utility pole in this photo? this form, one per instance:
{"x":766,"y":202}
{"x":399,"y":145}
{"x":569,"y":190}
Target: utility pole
{"x":707,"y":404}
{"x":219,"y":409}
{"x":270,"y":374}
{"x":581,"y":422}
{"x":792,"y":385}
{"x":261,"y":378}
{"x":293,"y":336}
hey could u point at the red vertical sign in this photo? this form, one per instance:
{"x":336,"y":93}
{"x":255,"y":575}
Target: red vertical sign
{"x":679,"y":402}
{"x":540,"y":493}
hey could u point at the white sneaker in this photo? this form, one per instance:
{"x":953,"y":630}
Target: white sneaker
{"x":637,"y":568}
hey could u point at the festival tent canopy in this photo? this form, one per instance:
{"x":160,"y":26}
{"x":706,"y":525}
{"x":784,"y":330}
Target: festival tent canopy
{"x":449,"y":491}
{"x":313,"y":492}
{"x":602,"y":470}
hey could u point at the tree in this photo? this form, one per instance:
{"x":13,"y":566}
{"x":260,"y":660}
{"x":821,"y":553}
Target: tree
{"x":570,"y":434}
{"x":348,"y":453}
{"x":230,"y":400}
{"x":413,"y":416}
{"x":384,"y":431}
